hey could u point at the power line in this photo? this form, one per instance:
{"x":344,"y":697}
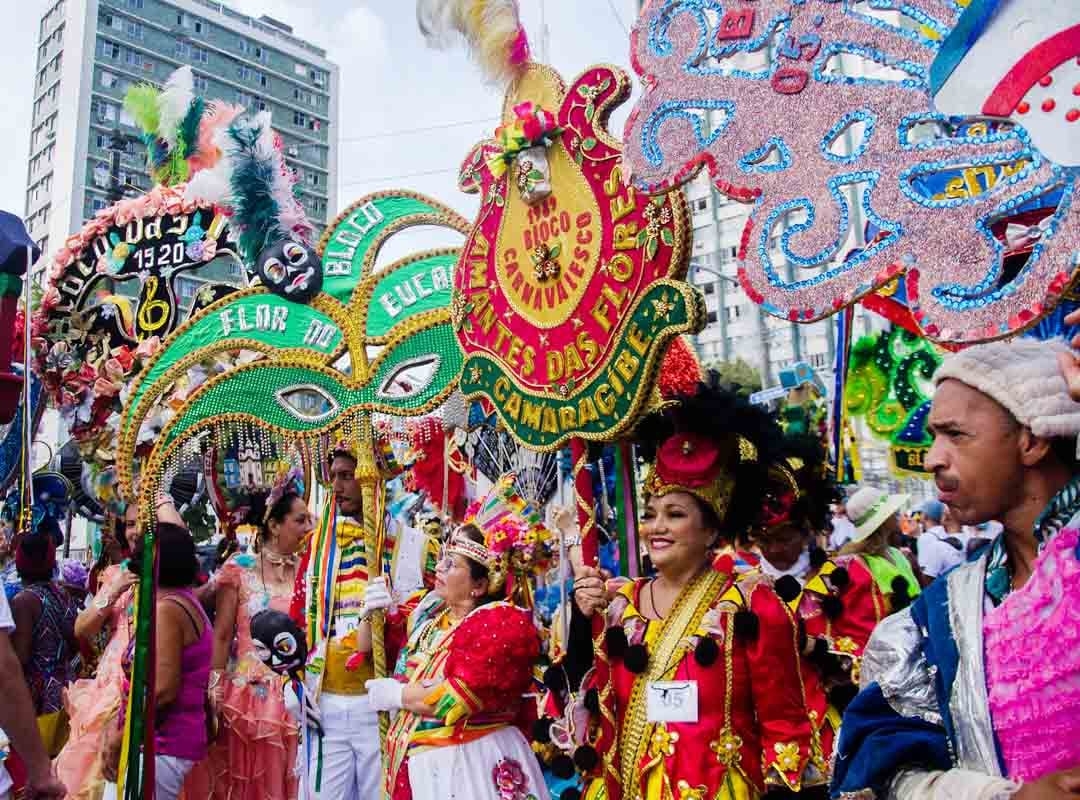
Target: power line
{"x":389,"y":178}
{"x":369,"y":136}
{"x":618,"y":17}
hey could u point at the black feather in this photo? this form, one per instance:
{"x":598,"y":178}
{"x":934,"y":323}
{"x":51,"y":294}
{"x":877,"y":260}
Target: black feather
{"x":840,"y":578}
{"x":615,"y":641}
{"x":832,"y":606}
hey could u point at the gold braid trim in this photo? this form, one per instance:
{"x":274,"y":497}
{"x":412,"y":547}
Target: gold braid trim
{"x":685,"y":617}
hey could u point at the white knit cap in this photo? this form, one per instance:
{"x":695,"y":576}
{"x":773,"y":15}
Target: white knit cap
{"x":1024,"y":377}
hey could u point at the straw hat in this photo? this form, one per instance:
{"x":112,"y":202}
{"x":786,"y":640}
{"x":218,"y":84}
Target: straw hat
{"x":869,"y":507}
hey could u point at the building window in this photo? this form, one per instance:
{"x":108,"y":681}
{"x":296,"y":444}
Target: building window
{"x":97,"y":204}
{"x":243,"y":73}
{"x":264,"y":81}
{"x":133,"y":3}
{"x":112,"y":21}
{"x":244,"y":99}
{"x":108,"y":49}
{"x":299,"y":119}
{"x":313,"y":178}
{"x":202,"y":85}
{"x":318,"y":77}
{"x":708,"y":288}
{"x":133,"y":29}
{"x":192,"y":52}
{"x":189,"y":22}
{"x":701,"y":204}
{"x":300,"y":69}
{"x":107,"y":79}
{"x":711,"y":317}
{"x":261,"y":54}
{"x":102,"y":141}
{"x":733,"y":313}
{"x":102,"y":110}
{"x":187,"y":287}
{"x":243,"y":45}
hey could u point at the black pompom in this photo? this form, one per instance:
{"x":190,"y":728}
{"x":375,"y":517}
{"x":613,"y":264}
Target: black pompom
{"x":592,"y":701}
{"x":746,"y":625}
{"x":900,"y":585}
{"x":788,"y":588}
{"x":555,"y":679}
{"x":562,"y":767}
{"x":818,"y":557}
{"x":707,"y":651}
{"x":840,"y":578}
{"x":571,"y":793}
{"x":832,"y":606}
{"x":841,"y":695}
{"x":820,"y":650}
{"x":586,"y":758}
{"x":636,"y":658}
{"x":541,"y":730}
{"x":615,"y":640}
{"x":801,"y":639}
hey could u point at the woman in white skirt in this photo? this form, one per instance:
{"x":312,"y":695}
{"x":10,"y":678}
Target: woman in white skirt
{"x":460,"y":681}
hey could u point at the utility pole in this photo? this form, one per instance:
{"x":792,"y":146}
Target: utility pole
{"x":118,"y":143}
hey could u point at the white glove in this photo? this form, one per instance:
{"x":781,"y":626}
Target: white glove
{"x":377,"y":597}
{"x":306,"y":712}
{"x":384,"y":694}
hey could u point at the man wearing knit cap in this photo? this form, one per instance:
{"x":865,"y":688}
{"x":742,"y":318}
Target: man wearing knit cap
{"x":971,"y":692}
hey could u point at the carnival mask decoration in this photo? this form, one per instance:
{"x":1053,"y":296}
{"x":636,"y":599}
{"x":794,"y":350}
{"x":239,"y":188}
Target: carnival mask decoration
{"x":291,"y":270}
{"x":279,"y":643}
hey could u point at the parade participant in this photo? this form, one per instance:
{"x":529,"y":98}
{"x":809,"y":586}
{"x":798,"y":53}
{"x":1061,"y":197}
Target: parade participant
{"x":842,"y":529}
{"x":943,"y":543}
{"x":44,"y":638}
{"x":875,"y":514}
{"x":971,"y":692}
{"x":461,"y":678}
{"x":92,"y":704}
{"x":328,"y":603}
{"x":17,"y":720}
{"x":697,"y":675}
{"x":255,"y":752}
{"x":837,"y":598}
{"x":183,"y":645}
{"x":113,"y":551}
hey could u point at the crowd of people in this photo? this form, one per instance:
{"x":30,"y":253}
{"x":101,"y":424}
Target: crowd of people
{"x":790,"y":639}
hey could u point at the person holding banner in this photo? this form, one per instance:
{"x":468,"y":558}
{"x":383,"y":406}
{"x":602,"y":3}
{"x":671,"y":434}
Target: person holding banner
{"x":332,"y":586}
{"x":694,"y":684}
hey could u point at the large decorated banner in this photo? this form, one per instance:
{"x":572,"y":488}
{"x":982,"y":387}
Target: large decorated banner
{"x":831,"y":116}
{"x":568,"y":289}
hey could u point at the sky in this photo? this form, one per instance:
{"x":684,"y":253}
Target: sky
{"x":391,"y":85}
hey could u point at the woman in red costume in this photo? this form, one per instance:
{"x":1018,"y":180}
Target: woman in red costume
{"x":836,"y":599}
{"x":462,"y":675}
{"x":694,"y":682}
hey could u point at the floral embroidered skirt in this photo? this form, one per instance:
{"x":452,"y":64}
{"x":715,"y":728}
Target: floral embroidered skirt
{"x":499,"y":766}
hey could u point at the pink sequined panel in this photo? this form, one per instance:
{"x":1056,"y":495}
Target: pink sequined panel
{"x":1033,"y":665}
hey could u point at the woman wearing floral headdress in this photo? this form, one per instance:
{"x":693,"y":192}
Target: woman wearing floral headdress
{"x":255,"y":752}
{"x":693,"y":686}
{"x":461,"y":677}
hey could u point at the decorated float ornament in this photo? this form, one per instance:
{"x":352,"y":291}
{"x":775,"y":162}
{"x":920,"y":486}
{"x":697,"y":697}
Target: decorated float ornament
{"x":371,"y":341}
{"x":802,"y":141}
{"x":564,"y":307}
{"x":889,"y":384}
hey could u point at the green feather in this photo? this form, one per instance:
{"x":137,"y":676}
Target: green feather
{"x":189,"y":127}
{"x":142,"y":103}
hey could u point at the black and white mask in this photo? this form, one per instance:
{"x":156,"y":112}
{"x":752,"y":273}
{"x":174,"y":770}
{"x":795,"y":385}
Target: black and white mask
{"x":279,"y":643}
{"x":291,"y":270}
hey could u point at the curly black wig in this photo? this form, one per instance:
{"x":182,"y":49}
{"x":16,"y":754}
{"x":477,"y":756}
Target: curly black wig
{"x":716,"y":412}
